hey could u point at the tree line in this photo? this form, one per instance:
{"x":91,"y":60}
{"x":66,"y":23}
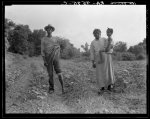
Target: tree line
{"x":121,"y":52}
{"x":24,"y":41}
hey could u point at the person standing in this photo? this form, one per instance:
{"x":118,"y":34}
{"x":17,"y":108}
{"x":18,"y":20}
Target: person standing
{"x":97,"y":54}
{"x":50,"y":52}
{"x":109,"y":65}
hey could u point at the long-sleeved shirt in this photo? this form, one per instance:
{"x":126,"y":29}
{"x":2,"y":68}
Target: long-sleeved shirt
{"x":96,"y":46}
{"x":110,"y":43}
{"x":46,"y":44}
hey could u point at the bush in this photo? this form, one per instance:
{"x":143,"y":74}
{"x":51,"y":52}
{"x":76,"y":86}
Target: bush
{"x":18,"y":39}
{"x":123,"y":56}
{"x":141,"y":56}
{"x":87,"y":54}
{"x":31,"y":49}
{"x":117,"y":56}
{"x":69,"y":53}
{"x":120,"y":47}
{"x":127,"y":56}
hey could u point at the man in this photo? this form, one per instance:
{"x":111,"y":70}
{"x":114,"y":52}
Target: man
{"x":50,"y":51}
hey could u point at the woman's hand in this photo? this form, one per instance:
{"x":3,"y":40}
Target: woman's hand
{"x":45,"y":64}
{"x":94,"y":64}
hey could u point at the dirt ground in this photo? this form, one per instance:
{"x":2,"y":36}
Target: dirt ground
{"x":27,"y":85}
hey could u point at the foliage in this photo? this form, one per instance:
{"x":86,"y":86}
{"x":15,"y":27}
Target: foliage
{"x":9,"y":24}
{"x":35,"y":38}
{"x":139,"y":50}
{"x":141,"y":56}
{"x":120,"y":47}
{"x":117,"y":56}
{"x":123,"y":56}
{"x":127,"y":56}
{"x":31,"y":49}
{"x":86,"y":49}
{"x":62,"y":42}
{"x":70,"y":52}
{"x":18,"y":39}
{"x":67,"y":49}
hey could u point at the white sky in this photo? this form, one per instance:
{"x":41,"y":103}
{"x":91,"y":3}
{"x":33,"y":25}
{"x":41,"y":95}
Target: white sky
{"x":77,"y":22}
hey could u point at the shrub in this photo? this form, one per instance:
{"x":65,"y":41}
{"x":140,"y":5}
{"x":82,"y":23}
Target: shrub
{"x":31,"y":49}
{"x":120,"y":46}
{"x":125,"y":56}
{"x":87,"y":54}
{"x":117,"y":56}
{"x":141,"y":56}
{"x":70,"y":52}
{"x":67,"y":53}
{"x":128,"y":56}
{"x":18,"y":39}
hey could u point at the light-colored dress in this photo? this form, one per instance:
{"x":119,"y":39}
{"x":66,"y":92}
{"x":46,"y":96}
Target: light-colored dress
{"x":109,"y":65}
{"x":104,"y":70}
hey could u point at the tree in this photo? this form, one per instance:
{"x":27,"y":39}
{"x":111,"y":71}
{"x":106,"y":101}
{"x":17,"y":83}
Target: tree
{"x":62,"y":42}
{"x":138,"y":49}
{"x":9,"y":25}
{"x":18,"y":39}
{"x":35,"y":38}
{"x":120,"y":47}
{"x":86,"y":49}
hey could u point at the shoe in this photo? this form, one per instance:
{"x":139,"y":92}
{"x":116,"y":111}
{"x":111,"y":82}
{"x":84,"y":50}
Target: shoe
{"x":51,"y":91}
{"x":101,"y":91}
{"x":63,"y":91}
{"x":110,"y":88}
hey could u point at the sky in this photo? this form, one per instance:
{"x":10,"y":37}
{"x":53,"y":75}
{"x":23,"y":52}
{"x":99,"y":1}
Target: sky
{"x":77,"y":22}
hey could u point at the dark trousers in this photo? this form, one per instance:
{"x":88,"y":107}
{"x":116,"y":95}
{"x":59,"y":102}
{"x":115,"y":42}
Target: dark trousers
{"x":55,"y":65}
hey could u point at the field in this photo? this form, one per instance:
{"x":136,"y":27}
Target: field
{"x":27,"y":84}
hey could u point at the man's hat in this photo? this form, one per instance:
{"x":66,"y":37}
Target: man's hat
{"x":49,"y":27}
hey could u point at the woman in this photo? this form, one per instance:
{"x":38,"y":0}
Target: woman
{"x":101,"y":61}
{"x":108,"y":60}
{"x":98,"y":58}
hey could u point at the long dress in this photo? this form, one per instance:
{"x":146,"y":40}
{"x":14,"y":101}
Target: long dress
{"x":104,"y":70}
{"x":109,"y":71}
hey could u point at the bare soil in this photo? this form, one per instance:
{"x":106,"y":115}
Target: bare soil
{"x":27,"y":84}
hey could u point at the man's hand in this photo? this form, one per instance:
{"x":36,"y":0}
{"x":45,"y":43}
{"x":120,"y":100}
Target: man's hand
{"x":94,"y":65}
{"x":45,"y":64}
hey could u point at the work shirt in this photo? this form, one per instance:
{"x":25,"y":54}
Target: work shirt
{"x":46,"y":44}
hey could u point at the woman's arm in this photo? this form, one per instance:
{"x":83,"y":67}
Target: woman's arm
{"x":92,"y":55}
